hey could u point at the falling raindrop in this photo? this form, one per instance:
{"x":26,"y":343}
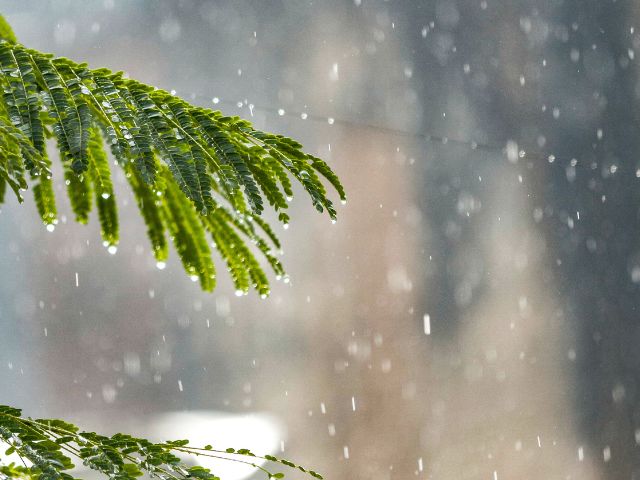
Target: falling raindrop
{"x":109,"y":393}
{"x":334,"y":74}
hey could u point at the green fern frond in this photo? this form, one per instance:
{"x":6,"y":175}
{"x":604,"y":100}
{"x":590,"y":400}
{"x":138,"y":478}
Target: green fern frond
{"x":194,"y":172}
{"x":66,"y":107}
{"x":105,"y":198}
{"x":150,"y":205}
{"x":16,"y":150}
{"x":46,"y":448}
{"x":188,"y":234}
{"x":80,"y":194}
{"x":6,"y":32}
{"x":128,"y":139}
{"x":21,"y":96}
{"x":45,"y":201}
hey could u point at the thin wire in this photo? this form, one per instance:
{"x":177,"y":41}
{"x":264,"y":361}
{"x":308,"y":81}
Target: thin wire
{"x":442,"y":140}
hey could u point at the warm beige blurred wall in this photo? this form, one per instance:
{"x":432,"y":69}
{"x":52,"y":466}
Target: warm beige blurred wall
{"x":493,"y":401}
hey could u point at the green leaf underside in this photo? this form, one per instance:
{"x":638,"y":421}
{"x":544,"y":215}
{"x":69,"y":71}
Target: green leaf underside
{"x":199,"y":178}
{"x":47,"y":447}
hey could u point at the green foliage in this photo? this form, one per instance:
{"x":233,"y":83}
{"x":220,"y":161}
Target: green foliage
{"x":194,"y":172}
{"x":6,"y":32}
{"x":46,"y":448}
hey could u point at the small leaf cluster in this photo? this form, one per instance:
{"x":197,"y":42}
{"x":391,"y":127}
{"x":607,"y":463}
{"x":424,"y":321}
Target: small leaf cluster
{"x":46,"y":448}
{"x":194,"y":172}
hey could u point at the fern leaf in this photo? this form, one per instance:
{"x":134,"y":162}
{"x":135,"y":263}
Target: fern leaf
{"x":105,"y":198}
{"x":257,"y":275}
{"x":166,"y":142}
{"x":6,"y":32}
{"x":150,"y":206}
{"x":132,"y":135}
{"x":266,"y":228}
{"x":71,"y":119}
{"x":11,"y":161}
{"x":193,"y":171}
{"x":78,"y":119}
{"x":198,"y":152}
{"x":22,"y":146}
{"x":188,"y":236}
{"x":79,"y":191}
{"x":227,"y":154}
{"x":321,"y":167}
{"x":280,"y":173}
{"x":14,"y":178}
{"x":228,"y":177}
{"x":45,"y":199}
{"x":247,"y":228}
{"x":229,"y":251}
{"x":21,"y":96}
{"x":288,"y":154}
{"x":267,"y":182}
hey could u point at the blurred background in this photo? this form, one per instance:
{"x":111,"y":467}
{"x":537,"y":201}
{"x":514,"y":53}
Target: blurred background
{"x":474,"y":313}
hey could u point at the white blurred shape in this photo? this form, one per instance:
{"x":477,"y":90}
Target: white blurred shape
{"x":260,"y":433}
